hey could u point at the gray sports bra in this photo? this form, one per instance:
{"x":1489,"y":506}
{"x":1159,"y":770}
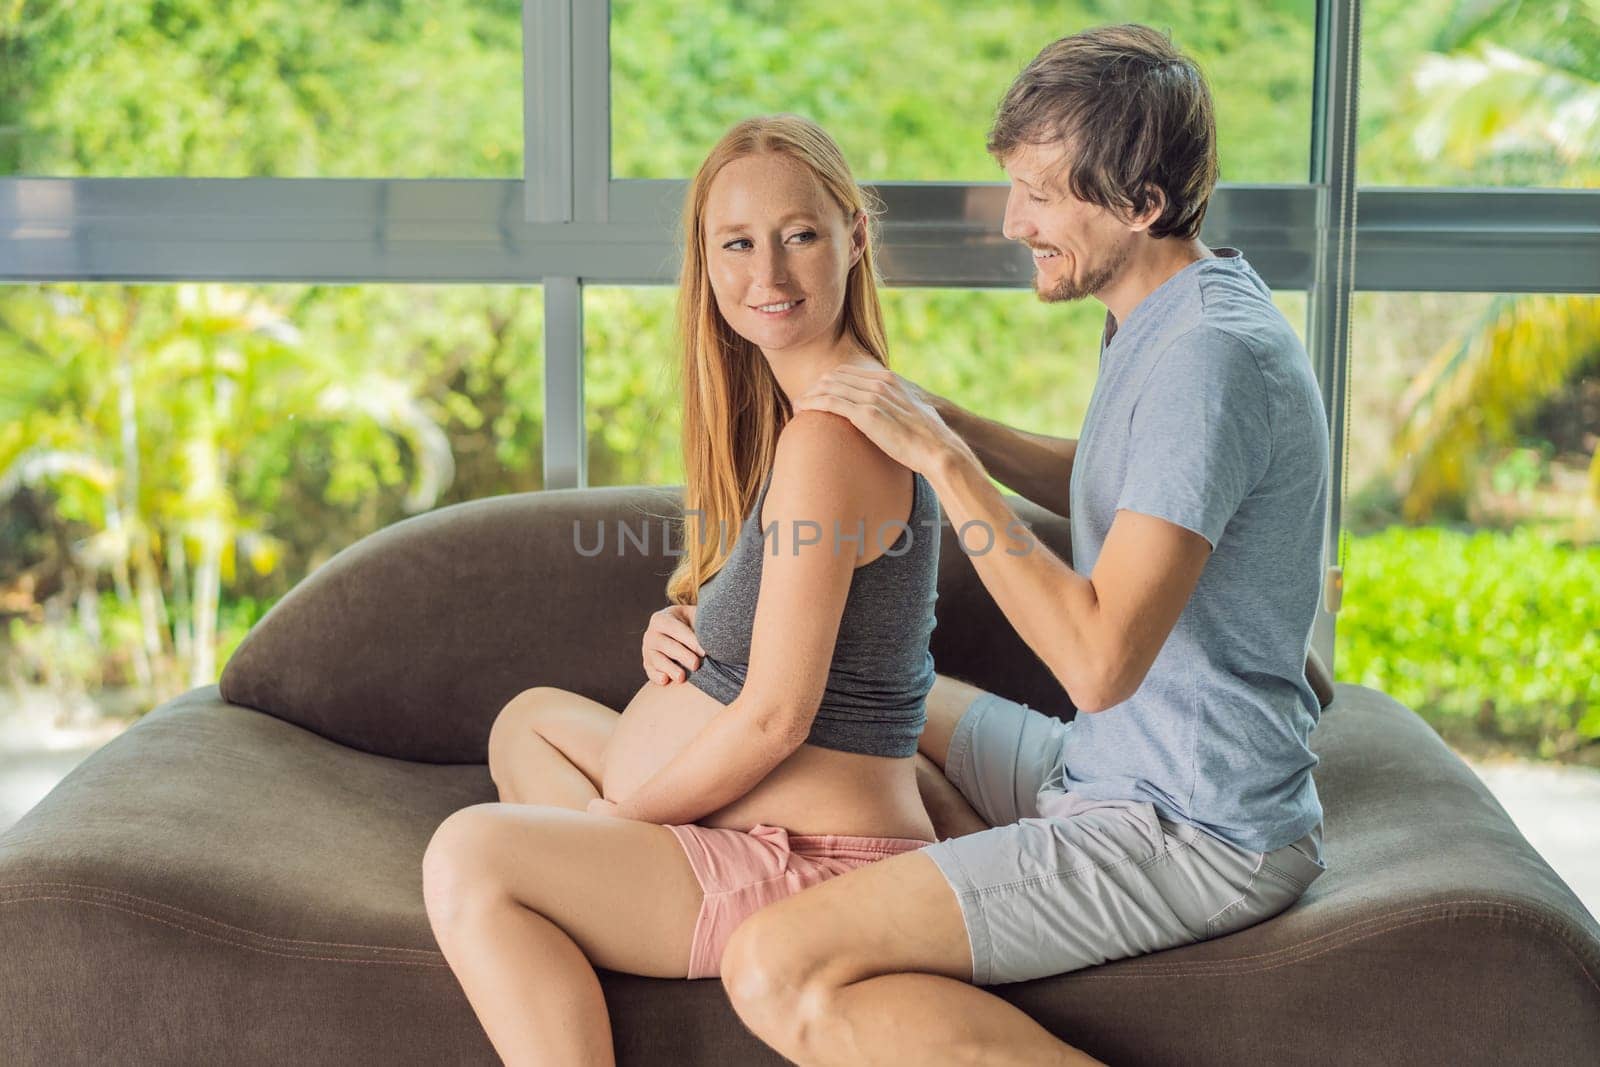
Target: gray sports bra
{"x":874,"y":701}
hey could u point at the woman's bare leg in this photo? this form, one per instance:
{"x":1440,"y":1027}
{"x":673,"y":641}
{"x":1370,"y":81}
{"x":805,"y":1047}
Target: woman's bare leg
{"x":526,"y":901}
{"x":547,"y":746}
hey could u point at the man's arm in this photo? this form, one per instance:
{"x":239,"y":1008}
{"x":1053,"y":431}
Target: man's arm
{"x":1034,"y":466}
{"x":1039,"y":468}
{"x":1099,"y":634}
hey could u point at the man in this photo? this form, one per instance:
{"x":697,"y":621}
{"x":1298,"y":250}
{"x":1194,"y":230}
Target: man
{"x":1179,"y":805}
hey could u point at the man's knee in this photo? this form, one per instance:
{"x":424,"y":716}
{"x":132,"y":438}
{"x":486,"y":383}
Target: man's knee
{"x":948,"y":700}
{"x":952,"y":813}
{"x":758,"y":968}
{"x":773,"y":982}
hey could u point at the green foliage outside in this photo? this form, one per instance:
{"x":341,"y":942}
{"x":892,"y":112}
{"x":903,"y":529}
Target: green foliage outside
{"x":174,"y":458}
{"x":1492,"y":635}
{"x":909,"y":88}
{"x":1480,"y":93}
{"x":173,"y":442}
{"x":261,"y":88}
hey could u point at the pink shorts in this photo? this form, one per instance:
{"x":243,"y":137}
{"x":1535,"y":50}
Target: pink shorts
{"x":741,"y":871}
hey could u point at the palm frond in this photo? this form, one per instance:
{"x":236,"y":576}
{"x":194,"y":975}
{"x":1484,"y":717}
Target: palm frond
{"x":1472,"y":396}
{"x":43,"y":466}
{"x":1494,"y":102}
{"x":1560,"y":33}
{"x":390,"y":403}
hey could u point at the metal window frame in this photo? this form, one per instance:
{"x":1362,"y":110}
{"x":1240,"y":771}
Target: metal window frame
{"x":569,"y":223}
{"x":1335,"y":85}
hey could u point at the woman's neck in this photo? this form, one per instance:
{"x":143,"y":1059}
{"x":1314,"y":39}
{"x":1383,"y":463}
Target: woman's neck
{"x":798,"y":369}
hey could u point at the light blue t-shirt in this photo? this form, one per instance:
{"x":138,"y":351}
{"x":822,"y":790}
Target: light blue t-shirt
{"x":1206,"y":413}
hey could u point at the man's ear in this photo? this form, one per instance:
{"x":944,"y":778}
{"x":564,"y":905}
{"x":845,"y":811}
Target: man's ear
{"x":858,"y":237}
{"x":1155,"y":203}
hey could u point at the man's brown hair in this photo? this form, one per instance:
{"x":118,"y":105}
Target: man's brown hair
{"x":1134,"y":115}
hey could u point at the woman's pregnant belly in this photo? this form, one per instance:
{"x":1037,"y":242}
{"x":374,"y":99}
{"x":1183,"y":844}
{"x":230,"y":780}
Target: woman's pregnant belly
{"x":814,"y":791}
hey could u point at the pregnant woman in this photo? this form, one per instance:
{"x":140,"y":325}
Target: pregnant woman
{"x":772,"y":744}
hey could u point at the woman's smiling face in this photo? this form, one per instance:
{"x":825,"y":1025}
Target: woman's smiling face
{"x":778,"y":251}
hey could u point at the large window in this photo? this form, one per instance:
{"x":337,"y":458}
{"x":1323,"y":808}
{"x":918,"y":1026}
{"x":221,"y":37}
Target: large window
{"x":296,"y":368}
{"x":1480,"y":94}
{"x":1473,"y":550}
{"x":908,"y":87}
{"x":140,"y":88}
{"x":175,"y":458}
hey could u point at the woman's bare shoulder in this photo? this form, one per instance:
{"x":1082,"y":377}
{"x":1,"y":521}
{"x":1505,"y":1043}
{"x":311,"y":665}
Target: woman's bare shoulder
{"x":822,"y":455}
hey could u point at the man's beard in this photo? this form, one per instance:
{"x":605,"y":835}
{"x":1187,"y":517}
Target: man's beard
{"x":1069,"y":288}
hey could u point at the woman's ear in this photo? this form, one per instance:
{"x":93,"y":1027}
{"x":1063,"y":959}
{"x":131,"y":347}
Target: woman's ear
{"x":858,"y":237}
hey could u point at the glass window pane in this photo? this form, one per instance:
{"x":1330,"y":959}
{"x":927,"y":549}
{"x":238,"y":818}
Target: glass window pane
{"x":1473,"y":516}
{"x":631,"y":386}
{"x":203,"y":447}
{"x":998,"y":352}
{"x":144,"y":89}
{"x":909,"y":89}
{"x":1006,"y":355}
{"x":1503,"y":93}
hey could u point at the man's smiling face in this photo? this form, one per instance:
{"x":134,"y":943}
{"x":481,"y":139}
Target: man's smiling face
{"x":1078,"y":247}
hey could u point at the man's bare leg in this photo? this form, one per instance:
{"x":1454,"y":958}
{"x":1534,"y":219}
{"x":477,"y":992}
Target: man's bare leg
{"x":949,"y":811}
{"x":948,"y":700}
{"x":952,"y":815}
{"x":873,"y":967}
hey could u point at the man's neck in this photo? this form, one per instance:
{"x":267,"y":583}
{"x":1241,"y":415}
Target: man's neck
{"x":1146,"y":271}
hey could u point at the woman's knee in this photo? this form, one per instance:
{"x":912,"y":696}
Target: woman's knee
{"x":452,"y":870}
{"x":523,"y":714}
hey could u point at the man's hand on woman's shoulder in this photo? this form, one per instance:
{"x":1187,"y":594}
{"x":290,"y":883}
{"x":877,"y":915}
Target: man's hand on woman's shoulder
{"x":897,"y":415}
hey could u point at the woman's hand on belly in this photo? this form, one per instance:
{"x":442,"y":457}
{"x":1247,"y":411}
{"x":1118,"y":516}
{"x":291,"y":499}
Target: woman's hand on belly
{"x":814,"y":791}
{"x":658,"y":723}
{"x":601,"y":806}
{"x":825,"y":791}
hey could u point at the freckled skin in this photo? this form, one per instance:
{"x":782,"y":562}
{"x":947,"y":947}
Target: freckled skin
{"x":772,"y":235}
